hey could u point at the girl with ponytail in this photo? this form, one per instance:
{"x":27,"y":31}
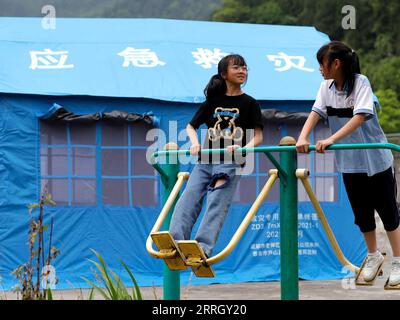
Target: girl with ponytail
{"x":233,"y":119}
{"x":345,"y":99}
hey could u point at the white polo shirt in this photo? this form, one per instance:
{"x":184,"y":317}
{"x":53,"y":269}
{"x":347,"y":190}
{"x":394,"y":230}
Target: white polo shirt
{"x":335,"y":107}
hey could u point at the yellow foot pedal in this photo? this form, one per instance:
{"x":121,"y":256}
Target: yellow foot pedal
{"x":389,"y":287}
{"x":196,"y":258}
{"x":174,"y":258}
{"x":360,"y":281}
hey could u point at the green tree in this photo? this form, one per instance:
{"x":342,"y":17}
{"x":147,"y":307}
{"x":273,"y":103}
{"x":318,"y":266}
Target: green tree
{"x":253,"y":11}
{"x":386,"y":24}
{"x":389,"y":115}
{"x":384,"y":74}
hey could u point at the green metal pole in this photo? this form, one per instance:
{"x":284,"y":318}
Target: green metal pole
{"x":172,"y":285}
{"x":289,"y":224}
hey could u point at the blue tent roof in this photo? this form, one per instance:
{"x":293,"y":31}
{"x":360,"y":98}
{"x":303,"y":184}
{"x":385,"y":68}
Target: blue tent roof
{"x":169,"y":60}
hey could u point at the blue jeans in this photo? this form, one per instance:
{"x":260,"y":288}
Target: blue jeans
{"x":202,"y":182}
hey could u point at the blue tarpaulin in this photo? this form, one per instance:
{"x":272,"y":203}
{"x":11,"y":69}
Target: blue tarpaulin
{"x":158,"y":67}
{"x":153,"y":58}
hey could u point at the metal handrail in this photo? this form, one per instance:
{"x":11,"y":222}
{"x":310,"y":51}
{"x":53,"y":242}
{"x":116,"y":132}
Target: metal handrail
{"x":268,"y":149}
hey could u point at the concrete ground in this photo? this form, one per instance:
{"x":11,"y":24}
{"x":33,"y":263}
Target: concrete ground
{"x":344,"y":289}
{"x":308,"y":290}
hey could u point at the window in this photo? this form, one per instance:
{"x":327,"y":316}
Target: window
{"x":323,"y":173}
{"x":102,"y":163}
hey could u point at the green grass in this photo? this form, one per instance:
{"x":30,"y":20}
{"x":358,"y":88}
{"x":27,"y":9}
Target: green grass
{"x":110,"y":285}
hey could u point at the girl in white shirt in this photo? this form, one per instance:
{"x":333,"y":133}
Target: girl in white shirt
{"x":346,"y":101}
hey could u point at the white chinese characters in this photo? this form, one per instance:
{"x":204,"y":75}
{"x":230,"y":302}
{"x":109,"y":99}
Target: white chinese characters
{"x":48,"y":59}
{"x":289,"y":62}
{"x":141,"y":58}
{"x":146,"y":58}
{"x":206,"y":58}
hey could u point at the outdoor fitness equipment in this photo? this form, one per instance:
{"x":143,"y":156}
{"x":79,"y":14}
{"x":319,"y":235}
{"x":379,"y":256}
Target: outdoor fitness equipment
{"x":286,"y":170}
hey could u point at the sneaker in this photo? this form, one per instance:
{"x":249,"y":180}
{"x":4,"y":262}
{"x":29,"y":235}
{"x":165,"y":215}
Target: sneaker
{"x":394,"y":278}
{"x":372,"y":265}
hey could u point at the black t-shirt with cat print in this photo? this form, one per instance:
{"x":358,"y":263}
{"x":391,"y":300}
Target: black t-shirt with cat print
{"x":230,"y":120}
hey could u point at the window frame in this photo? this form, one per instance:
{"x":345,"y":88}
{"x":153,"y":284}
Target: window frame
{"x":98,"y":176}
{"x":258,"y":175}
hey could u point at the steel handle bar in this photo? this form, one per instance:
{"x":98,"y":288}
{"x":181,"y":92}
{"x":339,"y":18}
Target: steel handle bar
{"x":268,"y":149}
{"x":391,"y":146}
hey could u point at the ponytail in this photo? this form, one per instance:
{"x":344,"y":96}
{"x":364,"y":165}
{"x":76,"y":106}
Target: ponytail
{"x":216,"y":87}
{"x":350,"y":72}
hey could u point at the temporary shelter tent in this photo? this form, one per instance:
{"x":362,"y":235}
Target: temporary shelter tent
{"x":76,"y":103}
